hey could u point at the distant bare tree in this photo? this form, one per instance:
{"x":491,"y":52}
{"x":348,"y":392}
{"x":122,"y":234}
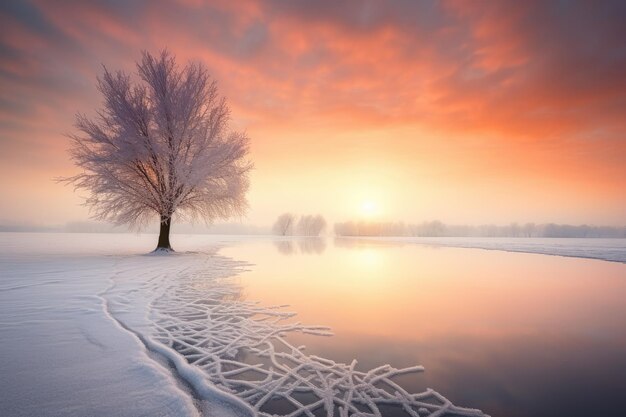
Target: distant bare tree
{"x":318,"y":225}
{"x":311,"y":225}
{"x":284,"y":224}
{"x":529,"y":229}
{"x":161,"y":146}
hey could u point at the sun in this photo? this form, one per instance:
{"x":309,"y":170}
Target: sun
{"x":369,"y":209}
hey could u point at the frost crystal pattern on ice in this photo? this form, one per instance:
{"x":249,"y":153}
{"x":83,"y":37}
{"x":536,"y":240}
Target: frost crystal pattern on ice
{"x":242,"y":348}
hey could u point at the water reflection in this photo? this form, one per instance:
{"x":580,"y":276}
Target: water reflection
{"x":358,"y":243}
{"x":285,"y":247}
{"x":511,"y":333}
{"x":243,"y":347}
{"x":304,"y":245}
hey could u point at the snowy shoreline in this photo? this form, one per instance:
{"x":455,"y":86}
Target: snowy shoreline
{"x":235,"y":352}
{"x":611,"y":250}
{"x":99,"y":329}
{"x":62,"y":352}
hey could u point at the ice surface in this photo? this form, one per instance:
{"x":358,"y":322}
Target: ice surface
{"x":604,"y":249}
{"x":84,"y":333}
{"x":195,"y":309}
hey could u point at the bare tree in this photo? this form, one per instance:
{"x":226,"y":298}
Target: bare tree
{"x":161,"y":146}
{"x":529,"y":229}
{"x":311,"y":225}
{"x":302,"y":228}
{"x":318,"y":226}
{"x":284,"y":224}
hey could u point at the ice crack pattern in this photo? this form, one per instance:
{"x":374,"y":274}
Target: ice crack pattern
{"x":242,"y":348}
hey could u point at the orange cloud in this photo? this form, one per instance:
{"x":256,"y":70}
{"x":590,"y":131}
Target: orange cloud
{"x":525,"y":95}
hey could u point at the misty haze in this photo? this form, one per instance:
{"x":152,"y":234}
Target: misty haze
{"x":308,"y":209}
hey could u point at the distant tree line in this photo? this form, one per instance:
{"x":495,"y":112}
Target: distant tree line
{"x":288,"y":224}
{"x":439,"y":229}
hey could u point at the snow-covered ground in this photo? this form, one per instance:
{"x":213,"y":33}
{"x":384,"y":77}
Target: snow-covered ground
{"x":62,"y":353}
{"x":90,"y":325}
{"x":605,"y":249}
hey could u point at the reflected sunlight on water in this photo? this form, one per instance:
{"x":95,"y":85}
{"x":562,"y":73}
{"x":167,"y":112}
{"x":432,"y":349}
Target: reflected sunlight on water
{"x":495,"y":330}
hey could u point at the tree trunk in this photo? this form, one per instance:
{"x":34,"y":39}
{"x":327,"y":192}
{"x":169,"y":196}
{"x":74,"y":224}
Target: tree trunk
{"x":164,"y":234}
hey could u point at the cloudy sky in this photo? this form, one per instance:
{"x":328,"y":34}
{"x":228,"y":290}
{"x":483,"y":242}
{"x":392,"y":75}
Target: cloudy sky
{"x":462,"y":111}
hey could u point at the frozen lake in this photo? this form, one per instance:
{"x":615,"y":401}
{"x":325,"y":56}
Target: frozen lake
{"x":89,"y":326}
{"x":513,"y":334}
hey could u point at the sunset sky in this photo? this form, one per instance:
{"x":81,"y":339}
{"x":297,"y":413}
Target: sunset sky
{"x":462,"y":111}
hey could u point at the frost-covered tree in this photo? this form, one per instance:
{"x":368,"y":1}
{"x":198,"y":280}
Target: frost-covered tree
{"x":318,"y":225}
{"x":311,"y":225}
{"x":161,"y":145}
{"x":284,"y":224}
